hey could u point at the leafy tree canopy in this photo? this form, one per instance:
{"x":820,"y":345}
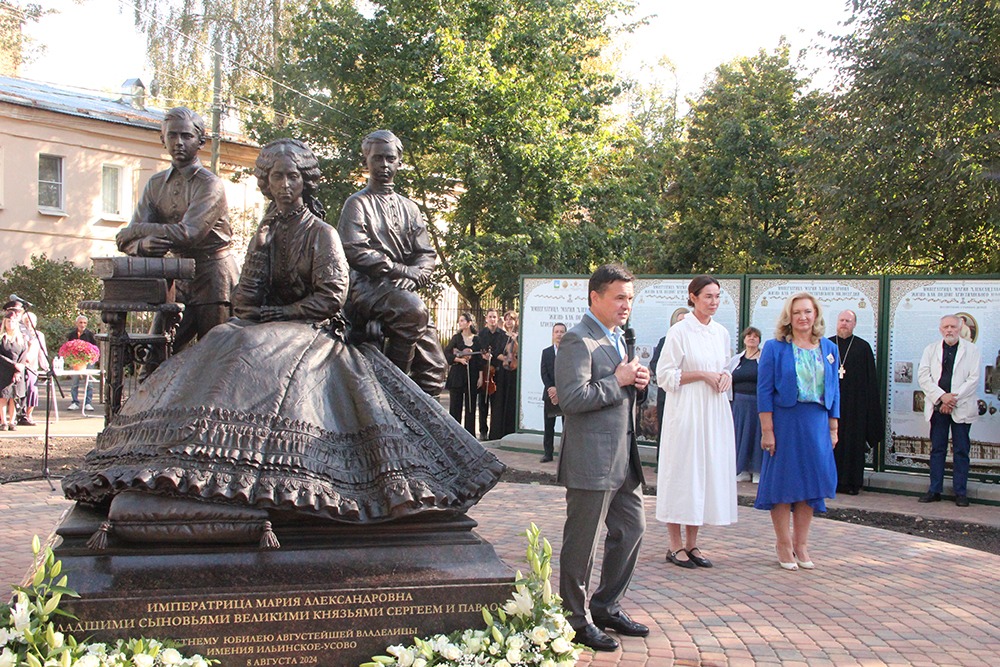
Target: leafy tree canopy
{"x":625,"y":203}
{"x":498,"y":104}
{"x":181,"y":37}
{"x":905,"y":163}
{"x":16,"y":48}
{"x":737,"y":209}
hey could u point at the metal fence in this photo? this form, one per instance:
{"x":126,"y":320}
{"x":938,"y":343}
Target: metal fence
{"x":450,"y":305}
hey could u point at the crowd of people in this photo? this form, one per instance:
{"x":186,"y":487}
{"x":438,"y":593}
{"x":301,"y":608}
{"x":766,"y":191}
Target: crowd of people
{"x":24,"y":358}
{"x":482,"y":375}
{"x":797,"y":415}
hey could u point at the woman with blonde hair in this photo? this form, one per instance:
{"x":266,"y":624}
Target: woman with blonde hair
{"x":13,"y":350}
{"x":798,"y":396}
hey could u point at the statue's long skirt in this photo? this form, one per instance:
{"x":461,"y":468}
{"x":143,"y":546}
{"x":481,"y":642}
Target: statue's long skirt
{"x":285,"y":416}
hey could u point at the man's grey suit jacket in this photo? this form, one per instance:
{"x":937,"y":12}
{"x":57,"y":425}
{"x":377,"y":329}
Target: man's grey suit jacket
{"x":598,"y":439}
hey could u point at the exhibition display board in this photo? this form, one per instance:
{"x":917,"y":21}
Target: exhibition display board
{"x":913,"y":310}
{"x":897,"y":315}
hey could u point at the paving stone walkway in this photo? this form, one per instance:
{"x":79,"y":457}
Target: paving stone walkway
{"x":876,"y":597}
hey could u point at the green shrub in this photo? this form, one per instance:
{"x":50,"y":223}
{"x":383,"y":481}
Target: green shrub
{"x":55,"y":288}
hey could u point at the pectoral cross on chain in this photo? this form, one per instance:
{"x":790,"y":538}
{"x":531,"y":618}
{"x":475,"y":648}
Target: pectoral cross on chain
{"x":842,"y":372}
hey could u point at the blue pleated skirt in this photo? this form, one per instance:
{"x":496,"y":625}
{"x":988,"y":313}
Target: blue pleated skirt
{"x":802,"y":467}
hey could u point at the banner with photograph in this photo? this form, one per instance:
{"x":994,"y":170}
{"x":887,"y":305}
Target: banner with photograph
{"x":835,"y":295}
{"x":915,"y":311}
{"x":545,"y":301}
{"x":658,"y":303}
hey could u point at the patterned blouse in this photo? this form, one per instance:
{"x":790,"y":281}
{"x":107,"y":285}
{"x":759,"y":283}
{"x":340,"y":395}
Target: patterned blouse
{"x":809,"y":374}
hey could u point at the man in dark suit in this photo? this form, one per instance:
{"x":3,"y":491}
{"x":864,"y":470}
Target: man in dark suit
{"x":599,"y":465}
{"x":550,"y":397}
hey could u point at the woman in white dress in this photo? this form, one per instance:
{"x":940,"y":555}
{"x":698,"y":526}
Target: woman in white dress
{"x":696,"y":477}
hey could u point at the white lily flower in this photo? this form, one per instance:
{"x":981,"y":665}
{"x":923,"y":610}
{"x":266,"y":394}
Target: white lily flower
{"x":539,"y":635}
{"x":20,"y":614}
{"x":450,"y":652}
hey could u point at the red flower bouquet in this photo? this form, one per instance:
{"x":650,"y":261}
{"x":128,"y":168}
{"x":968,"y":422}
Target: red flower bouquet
{"x":77,"y":354}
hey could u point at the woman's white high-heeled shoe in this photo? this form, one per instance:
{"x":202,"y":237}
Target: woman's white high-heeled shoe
{"x":805,"y":564}
{"x":785,"y":566}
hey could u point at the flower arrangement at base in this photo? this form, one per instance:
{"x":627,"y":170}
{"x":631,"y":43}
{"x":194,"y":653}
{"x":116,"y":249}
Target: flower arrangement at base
{"x":78,"y":353}
{"x":530,"y":629}
{"x":28,"y":638}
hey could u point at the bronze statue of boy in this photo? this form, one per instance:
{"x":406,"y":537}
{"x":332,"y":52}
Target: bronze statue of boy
{"x":183,"y":212}
{"x":386,"y":242}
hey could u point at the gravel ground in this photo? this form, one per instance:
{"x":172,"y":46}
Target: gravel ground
{"x":23,"y":458}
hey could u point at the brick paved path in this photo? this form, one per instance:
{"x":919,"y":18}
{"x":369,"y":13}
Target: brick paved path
{"x":876,"y":597}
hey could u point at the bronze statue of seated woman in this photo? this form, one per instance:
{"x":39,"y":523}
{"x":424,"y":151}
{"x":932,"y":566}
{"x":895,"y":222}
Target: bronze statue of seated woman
{"x":273,"y":412}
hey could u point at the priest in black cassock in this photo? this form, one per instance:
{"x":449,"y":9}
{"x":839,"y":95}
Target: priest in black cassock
{"x":861,"y":423}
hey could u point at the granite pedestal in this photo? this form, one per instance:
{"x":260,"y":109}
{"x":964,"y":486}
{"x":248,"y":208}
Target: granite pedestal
{"x":333,"y":595}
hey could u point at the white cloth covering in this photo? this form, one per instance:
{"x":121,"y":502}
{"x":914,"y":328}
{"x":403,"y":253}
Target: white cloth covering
{"x":696,"y":476}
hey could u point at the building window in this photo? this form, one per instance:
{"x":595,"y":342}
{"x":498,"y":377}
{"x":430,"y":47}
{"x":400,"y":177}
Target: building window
{"x":111,"y":190}
{"x":50,"y":182}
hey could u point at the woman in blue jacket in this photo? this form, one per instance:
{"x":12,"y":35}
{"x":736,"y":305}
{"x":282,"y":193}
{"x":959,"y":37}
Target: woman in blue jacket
{"x":798,"y":396}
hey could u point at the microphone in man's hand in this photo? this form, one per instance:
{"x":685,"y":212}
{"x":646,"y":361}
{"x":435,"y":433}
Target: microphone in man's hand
{"x":629,"y":344}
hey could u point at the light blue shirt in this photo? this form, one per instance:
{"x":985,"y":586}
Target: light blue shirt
{"x":614,"y":336}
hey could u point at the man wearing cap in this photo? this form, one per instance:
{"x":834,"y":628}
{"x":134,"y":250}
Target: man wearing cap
{"x":16,"y":309}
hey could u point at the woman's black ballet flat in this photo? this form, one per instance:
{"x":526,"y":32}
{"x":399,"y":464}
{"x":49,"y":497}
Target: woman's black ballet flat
{"x":672,"y":558}
{"x":698,"y":560}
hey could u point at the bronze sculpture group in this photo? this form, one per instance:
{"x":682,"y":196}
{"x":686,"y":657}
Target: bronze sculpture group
{"x":277,"y":410}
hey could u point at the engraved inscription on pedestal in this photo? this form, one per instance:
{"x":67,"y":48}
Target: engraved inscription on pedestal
{"x":327,"y":628}
{"x":330,"y":596}
{"x":302,"y":629}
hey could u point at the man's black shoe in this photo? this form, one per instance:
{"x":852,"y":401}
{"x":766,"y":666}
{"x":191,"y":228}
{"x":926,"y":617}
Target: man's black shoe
{"x":593,"y":638}
{"x":546,"y":458}
{"x":962,"y":501}
{"x":929,"y":497}
{"x":622,"y":624}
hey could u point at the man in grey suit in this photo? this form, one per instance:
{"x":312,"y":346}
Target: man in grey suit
{"x":599,"y":464}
